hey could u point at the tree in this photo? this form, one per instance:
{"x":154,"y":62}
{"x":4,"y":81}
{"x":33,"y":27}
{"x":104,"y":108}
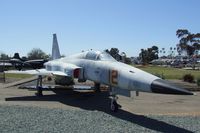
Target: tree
{"x":37,"y":53}
{"x":188,"y":42}
{"x":144,"y":56}
{"x":153,"y":53}
{"x":114,"y":52}
{"x":182,"y":33}
{"x":4,"y":56}
{"x":149,"y":54}
{"x":128,"y":60}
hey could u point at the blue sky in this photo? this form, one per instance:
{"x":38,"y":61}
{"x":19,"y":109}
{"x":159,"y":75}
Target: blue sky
{"x":128,"y":25}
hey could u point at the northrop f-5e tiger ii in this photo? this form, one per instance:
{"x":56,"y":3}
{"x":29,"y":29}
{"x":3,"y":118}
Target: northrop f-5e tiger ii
{"x":102,"y":68}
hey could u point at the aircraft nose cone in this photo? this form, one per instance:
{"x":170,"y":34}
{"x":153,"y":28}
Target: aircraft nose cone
{"x":164,"y":87}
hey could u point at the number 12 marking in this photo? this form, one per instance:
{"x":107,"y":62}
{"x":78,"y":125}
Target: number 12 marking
{"x":114,"y":77}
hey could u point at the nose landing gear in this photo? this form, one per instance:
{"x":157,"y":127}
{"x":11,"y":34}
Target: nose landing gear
{"x":114,"y":106}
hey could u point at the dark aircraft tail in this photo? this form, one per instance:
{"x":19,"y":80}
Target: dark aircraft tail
{"x":16,"y":56}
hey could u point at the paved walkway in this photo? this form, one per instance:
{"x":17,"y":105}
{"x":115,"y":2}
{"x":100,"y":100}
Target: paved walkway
{"x":19,"y":82}
{"x":145,"y":103}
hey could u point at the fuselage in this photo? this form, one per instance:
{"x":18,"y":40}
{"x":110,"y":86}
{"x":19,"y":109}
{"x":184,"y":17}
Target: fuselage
{"x":101,"y":68}
{"x":108,"y":71}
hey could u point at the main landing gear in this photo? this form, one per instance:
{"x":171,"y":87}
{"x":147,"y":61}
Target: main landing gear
{"x":114,"y":106}
{"x":97,"y":87}
{"x":39,"y":86}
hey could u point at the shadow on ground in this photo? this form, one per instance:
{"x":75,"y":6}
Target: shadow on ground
{"x":100,"y":102}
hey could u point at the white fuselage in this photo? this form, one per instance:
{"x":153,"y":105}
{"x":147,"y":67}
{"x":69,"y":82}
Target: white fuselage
{"x":101,"y":68}
{"x":113,"y":73}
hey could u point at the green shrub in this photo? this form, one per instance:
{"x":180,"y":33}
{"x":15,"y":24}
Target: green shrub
{"x":198,"y":81}
{"x":188,"y":78}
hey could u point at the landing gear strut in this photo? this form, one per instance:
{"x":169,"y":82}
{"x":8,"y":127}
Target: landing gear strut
{"x":114,"y":106}
{"x":39,"y":86}
{"x":97,"y":87}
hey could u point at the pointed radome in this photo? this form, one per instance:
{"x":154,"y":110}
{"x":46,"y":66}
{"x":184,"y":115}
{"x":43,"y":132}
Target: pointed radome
{"x":164,"y":87}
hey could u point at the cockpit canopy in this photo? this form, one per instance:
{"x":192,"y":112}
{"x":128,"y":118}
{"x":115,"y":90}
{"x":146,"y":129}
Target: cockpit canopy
{"x":105,"y":57}
{"x":94,"y":55}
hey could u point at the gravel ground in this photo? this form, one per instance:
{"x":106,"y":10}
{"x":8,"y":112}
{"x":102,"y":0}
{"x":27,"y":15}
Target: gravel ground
{"x":22,"y":119}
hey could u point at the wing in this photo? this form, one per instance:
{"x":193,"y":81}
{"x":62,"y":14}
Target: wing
{"x":6,"y":64}
{"x":38,"y":72}
{"x":58,"y":68}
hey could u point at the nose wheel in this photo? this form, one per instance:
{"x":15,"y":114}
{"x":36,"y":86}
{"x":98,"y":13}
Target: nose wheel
{"x":114,"y":106}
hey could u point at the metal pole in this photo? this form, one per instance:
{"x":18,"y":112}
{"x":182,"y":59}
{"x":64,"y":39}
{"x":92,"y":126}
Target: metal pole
{"x":3,"y":69}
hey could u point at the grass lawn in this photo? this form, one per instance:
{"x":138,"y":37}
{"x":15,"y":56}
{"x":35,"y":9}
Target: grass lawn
{"x":19,"y":76}
{"x":169,"y":73}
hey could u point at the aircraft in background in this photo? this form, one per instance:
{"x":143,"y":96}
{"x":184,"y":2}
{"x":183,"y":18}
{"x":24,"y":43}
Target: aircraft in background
{"x":20,"y":63}
{"x":102,"y":68}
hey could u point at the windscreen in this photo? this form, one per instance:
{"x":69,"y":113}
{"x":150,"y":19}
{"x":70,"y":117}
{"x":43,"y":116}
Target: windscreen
{"x":105,"y":57}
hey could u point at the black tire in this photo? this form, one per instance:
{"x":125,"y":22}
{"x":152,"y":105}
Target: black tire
{"x":97,"y":87}
{"x":39,"y":92}
{"x":114,"y":107}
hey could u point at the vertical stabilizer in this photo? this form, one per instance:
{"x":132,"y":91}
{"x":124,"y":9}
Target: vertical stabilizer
{"x":16,"y":56}
{"x":55,"y":48}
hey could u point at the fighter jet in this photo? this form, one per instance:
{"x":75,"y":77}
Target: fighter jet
{"x":102,"y":68}
{"x":20,"y":63}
